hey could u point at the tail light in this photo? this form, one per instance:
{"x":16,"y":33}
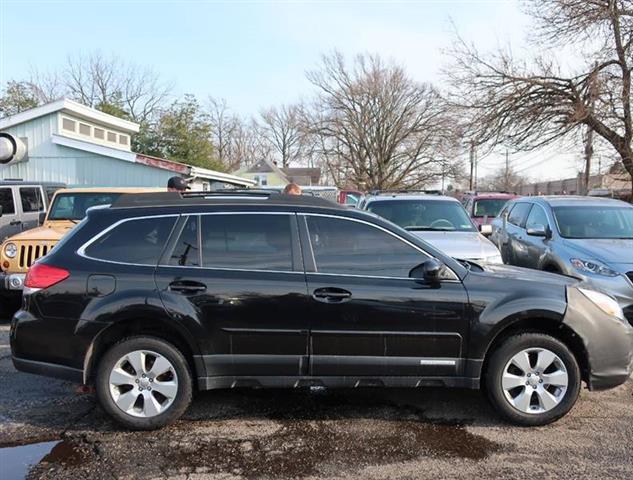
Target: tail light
{"x":41,"y":275}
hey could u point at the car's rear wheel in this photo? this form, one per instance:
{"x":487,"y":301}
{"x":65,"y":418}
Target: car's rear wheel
{"x":144,"y":383}
{"x":533,"y":379}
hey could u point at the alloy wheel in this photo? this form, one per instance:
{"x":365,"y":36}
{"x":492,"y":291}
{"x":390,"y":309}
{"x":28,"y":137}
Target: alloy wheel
{"x":143,"y":383}
{"x":535,"y":380}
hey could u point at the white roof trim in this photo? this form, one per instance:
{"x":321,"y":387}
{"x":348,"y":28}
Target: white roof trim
{"x":94,"y":148}
{"x":73,"y":108}
{"x":221,"y":177}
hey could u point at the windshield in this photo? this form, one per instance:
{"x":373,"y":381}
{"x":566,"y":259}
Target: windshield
{"x":594,"y":222}
{"x":424,"y":215}
{"x":489,"y":207}
{"x":73,"y":206}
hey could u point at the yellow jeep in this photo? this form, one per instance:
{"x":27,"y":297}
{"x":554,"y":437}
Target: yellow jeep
{"x":68,"y":207}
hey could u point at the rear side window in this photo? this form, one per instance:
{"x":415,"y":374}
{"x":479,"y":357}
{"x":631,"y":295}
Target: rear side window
{"x":134,"y":241}
{"x":31,"y":199}
{"x":519,"y":213}
{"x":6,"y":201}
{"x":250,"y":242}
{"x":347,"y":247}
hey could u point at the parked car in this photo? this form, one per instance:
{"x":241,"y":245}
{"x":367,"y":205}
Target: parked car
{"x":22,"y":204}
{"x":483,"y":207}
{"x":439,"y":220}
{"x":164,"y":293}
{"x":588,"y":238}
{"x":349,"y":197}
{"x":67,"y":208}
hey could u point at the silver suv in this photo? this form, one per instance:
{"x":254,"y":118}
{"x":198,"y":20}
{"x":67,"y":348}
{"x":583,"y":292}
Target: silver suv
{"x":439,"y":220}
{"x":584,"y":237}
{"x":23,"y":205}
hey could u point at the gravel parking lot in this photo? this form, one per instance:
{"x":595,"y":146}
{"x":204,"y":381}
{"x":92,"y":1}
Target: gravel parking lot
{"x":365,"y":434}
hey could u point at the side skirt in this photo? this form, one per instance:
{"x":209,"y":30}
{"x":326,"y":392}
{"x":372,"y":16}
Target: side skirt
{"x":213,"y":383}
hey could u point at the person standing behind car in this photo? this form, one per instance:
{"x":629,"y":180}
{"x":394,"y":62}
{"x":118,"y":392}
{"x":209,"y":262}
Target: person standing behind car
{"x":177,"y":184}
{"x":292,"y":189}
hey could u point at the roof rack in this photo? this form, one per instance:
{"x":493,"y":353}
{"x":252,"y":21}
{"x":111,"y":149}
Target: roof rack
{"x":163,"y":199}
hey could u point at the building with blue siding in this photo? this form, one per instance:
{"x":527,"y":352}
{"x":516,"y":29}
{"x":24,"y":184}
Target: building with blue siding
{"x":70,"y":143}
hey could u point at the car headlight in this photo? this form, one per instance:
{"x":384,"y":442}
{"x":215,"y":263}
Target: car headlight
{"x":494,"y":259}
{"x":10,"y":250}
{"x":607,"y":304}
{"x":588,"y":266}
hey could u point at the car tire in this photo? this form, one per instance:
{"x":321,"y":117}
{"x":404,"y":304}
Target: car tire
{"x":525,"y":387}
{"x":150,"y":396}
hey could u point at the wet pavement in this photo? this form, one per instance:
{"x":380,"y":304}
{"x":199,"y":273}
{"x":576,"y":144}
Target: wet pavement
{"x":49,"y":431}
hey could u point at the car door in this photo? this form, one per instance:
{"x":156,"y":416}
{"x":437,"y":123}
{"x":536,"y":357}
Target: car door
{"x":367,"y":317}
{"x":32,"y":203}
{"x":10,"y":223}
{"x":535,"y":246}
{"x":241,"y":277}
{"x":515,"y":234}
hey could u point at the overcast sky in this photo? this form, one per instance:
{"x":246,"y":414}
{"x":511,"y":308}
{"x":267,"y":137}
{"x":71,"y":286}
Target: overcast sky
{"x":256,"y":53}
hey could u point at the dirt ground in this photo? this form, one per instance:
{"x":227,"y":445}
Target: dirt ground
{"x":48,"y":430}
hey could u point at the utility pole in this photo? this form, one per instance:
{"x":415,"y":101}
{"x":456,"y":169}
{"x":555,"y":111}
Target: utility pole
{"x":473,"y":181}
{"x":593,"y":93}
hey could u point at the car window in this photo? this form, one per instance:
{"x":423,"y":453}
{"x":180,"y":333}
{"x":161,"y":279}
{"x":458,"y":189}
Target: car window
{"x":138,"y":241}
{"x":586,"y":221}
{"x":489,"y":207}
{"x":186,"y":251}
{"x":6,"y":201}
{"x":347,"y":247}
{"x":424,"y":215}
{"x":73,"y":206}
{"x":518,"y":213}
{"x":251,"y":242}
{"x":536,"y":217}
{"x":31,"y":199}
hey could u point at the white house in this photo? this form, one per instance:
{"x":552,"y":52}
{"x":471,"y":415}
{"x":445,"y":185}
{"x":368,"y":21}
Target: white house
{"x":80,"y":146}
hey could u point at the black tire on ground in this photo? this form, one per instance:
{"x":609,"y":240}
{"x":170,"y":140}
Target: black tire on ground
{"x":167,"y":350}
{"x":500,"y":358}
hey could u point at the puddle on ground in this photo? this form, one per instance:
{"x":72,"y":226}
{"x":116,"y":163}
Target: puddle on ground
{"x":325,"y":435}
{"x":17,"y":459}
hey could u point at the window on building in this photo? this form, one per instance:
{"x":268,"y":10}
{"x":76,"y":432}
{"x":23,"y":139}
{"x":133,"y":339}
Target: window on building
{"x":99,"y":133}
{"x":6,"y":201}
{"x":124,"y":139}
{"x":252,"y":242}
{"x":68,"y":124}
{"x":346,"y":247}
{"x":186,"y":251}
{"x":84,"y":129}
{"x":111,"y":137}
{"x":136,"y":241}
{"x":31,"y":199}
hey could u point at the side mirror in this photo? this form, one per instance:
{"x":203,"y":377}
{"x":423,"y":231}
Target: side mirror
{"x":537,"y":231}
{"x":485,"y":229}
{"x":42,"y":217}
{"x":428,"y":271}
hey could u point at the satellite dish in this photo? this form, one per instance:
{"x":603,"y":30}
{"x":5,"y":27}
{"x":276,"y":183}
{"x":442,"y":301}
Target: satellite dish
{"x":12,"y":149}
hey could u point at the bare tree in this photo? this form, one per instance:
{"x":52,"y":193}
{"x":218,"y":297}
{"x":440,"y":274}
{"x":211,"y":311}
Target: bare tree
{"x":531,"y":103}
{"x":282,"y":128}
{"x":225,"y":126}
{"x":376,"y":127}
{"x":248,"y":145}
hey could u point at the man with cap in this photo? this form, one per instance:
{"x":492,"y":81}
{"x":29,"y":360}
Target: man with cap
{"x":177,"y":184}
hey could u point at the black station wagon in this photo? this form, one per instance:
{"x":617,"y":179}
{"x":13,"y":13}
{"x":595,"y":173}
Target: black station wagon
{"x":164,"y":293}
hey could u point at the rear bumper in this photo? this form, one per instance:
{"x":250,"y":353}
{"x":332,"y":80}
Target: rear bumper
{"x":48,"y":369}
{"x":608,"y":341}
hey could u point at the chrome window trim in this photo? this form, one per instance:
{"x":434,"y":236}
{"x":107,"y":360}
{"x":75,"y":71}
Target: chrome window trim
{"x":378,"y":227}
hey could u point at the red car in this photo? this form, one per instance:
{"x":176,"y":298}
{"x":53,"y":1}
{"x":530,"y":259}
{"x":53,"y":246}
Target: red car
{"x":483,"y":207}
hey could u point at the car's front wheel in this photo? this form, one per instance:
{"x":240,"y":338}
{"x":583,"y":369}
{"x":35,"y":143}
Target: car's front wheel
{"x":533,"y":379}
{"x":144,"y":383}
